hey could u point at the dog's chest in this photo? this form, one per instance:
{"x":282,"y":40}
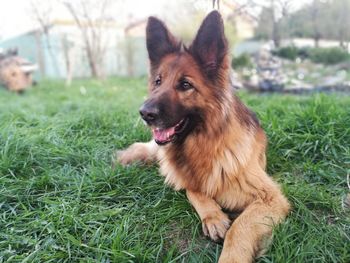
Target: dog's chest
{"x":207,"y":172}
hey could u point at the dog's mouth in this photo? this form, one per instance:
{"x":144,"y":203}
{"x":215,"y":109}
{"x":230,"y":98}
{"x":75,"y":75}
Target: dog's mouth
{"x":164,"y":136}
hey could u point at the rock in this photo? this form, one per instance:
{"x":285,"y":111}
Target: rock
{"x":333,"y":80}
{"x":270,"y":76}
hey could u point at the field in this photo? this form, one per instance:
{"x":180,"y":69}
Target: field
{"x":60,"y":200}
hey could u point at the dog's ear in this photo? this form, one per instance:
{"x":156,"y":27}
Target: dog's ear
{"x":209,"y":47}
{"x":160,"y":41}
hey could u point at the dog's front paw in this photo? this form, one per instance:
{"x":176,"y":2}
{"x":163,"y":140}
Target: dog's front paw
{"x":216,"y":225}
{"x":138,"y":152}
{"x":124,"y":157}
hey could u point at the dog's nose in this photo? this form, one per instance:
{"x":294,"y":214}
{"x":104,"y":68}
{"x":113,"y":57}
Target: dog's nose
{"x":149,"y":113}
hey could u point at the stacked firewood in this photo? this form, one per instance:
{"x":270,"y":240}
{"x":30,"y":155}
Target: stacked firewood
{"x":15,"y":71}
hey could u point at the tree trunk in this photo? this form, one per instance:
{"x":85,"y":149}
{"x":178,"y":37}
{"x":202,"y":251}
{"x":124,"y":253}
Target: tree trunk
{"x":92,"y":63}
{"x":40,"y":55}
{"x":317,"y":41}
{"x":276,"y":37}
{"x":315,"y":26}
{"x":68,"y":60}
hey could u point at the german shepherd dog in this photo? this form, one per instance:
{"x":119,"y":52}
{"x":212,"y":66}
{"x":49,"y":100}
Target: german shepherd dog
{"x":207,"y":141}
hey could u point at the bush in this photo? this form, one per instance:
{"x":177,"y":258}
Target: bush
{"x":242,"y":61}
{"x":290,"y":52}
{"x":328,"y":56}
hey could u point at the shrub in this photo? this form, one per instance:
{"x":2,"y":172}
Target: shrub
{"x":328,"y":56}
{"x":242,"y":61}
{"x":289,"y":52}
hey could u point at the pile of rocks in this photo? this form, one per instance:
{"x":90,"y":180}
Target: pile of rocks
{"x":268,"y":75}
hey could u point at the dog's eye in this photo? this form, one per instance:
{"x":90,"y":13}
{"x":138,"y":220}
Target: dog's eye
{"x":185,"y":85}
{"x":158,"y":81}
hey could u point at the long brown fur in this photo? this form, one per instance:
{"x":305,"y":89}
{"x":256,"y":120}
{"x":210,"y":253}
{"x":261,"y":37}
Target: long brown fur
{"x":221,"y":164}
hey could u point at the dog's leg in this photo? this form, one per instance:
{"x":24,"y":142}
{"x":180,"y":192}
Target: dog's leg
{"x":143,"y":152}
{"x":248,"y":233}
{"x":214,"y":222}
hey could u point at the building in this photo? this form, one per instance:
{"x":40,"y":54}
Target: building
{"x":61,"y":53}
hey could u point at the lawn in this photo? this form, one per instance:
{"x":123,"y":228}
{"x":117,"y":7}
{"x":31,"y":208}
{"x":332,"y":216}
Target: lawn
{"x":60,"y":200}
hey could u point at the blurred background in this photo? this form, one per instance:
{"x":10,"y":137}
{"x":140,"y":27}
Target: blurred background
{"x":276,"y":45}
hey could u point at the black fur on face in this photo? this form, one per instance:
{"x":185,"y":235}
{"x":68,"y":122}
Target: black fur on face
{"x":166,"y":113}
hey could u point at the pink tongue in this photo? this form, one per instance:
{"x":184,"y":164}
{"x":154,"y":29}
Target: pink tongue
{"x":163,"y":135}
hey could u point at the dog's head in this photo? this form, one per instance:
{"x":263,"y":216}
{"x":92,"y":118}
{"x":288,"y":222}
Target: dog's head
{"x":185,"y":83}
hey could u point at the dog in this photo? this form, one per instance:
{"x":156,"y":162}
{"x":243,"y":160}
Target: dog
{"x":207,"y":141}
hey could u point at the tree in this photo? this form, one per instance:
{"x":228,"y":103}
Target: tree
{"x":315,"y":11}
{"x":92,"y":19}
{"x":68,"y":58}
{"x":271,"y":20}
{"x":340,"y":10}
{"x":42,"y":14}
{"x":264,"y":29}
{"x":192,"y":17}
{"x":321,"y":19}
{"x":280,"y":11}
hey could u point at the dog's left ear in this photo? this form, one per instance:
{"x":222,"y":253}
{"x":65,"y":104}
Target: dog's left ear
{"x":209,"y":47}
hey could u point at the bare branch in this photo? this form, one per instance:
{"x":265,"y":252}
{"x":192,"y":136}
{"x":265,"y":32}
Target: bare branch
{"x":91,"y":17}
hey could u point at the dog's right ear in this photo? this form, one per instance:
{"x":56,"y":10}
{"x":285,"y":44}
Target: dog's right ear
{"x":210,"y":46}
{"x":160,"y":41}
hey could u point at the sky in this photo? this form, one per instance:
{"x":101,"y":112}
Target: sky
{"x":16,"y":16}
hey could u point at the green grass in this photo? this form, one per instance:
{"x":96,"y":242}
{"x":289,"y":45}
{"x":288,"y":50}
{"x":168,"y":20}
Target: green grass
{"x":60,"y":201}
